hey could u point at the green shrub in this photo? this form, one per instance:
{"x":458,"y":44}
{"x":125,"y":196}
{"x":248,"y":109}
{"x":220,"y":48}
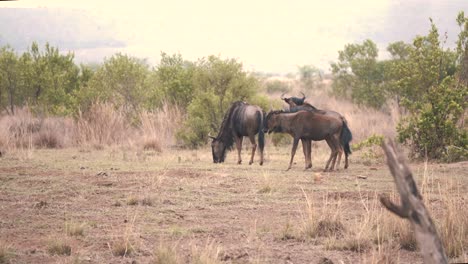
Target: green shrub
{"x":218,"y":83}
{"x":432,"y":127}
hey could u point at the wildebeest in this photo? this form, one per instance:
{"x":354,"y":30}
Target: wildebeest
{"x":298,"y":104}
{"x":307,"y":126}
{"x":240,"y":120}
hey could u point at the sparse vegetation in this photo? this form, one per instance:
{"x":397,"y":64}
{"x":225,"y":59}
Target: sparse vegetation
{"x":59,"y":246}
{"x":74,"y":229}
{"x":5,"y":253}
{"x":121,"y":247}
{"x":165,"y":255}
{"x":209,"y":254}
{"x":132,"y":200}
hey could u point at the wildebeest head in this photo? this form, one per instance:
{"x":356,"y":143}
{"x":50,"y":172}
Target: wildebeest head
{"x":218,"y":150}
{"x":294,"y":101}
{"x":271,"y":123}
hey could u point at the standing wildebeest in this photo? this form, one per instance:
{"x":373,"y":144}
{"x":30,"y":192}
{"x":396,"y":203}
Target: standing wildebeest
{"x":241,"y":120}
{"x":298,"y":104}
{"x":307,"y":126}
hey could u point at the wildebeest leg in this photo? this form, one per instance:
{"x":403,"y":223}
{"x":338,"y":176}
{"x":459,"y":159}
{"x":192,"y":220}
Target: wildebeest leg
{"x":340,"y":150}
{"x":254,"y":147}
{"x":293,"y":152}
{"x":333,"y":154}
{"x":336,"y":150}
{"x":307,"y":151}
{"x":346,"y":161}
{"x":239,"y":148}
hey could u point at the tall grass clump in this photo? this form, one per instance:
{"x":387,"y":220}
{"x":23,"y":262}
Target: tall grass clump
{"x":103,"y":124}
{"x":5,"y":253}
{"x":16,"y":131}
{"x":166,"y":255}
{"x":453,"y":224}
{"x":209,"y":254}
{"x":59,"y":246}
{"x":323,"y":222}
{"x":157,"y":128}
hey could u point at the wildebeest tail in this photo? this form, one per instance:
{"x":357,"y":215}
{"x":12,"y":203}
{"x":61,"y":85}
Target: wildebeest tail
{"x":346,"y":137}
{"x":261,"y":134}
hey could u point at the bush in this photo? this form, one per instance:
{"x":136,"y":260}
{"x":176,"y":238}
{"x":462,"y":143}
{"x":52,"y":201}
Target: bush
{"x":433,"y":125}
{"x":218,"y":83}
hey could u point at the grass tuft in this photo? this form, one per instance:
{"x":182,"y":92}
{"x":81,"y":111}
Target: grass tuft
{"x":165,"y":255}
{"x":209,"y":254}
{"x":121,"y":247}
{"x":74,"y":229}
{"x":132,"y":200}
{"x":5,"y":253}
{"x":59,"y":246}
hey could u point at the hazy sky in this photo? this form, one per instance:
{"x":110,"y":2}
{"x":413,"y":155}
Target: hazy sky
{"x":266,"y":35}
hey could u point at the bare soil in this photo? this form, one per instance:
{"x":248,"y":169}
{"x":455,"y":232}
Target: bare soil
{"x":187,"y":203}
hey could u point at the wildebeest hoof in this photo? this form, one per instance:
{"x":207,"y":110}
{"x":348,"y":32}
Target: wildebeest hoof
{"x":250,"y":162}
{"x":261,"y":163}
{"x":239,"y":162}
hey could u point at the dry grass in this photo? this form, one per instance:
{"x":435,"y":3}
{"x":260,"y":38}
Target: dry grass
{"x":124,"y":242}
{"x":166,"y":255}
{"x":59,"y":246}
{"x":102,"y":125}
{"x":132,"y":200}
{"x":121,"y":247}
{"x":207,"y":254}
{"x":5,"y":253}
{"x":157,"y":129}
{"x":453,"y":226}
{"x":323,"y":222}
{"x":74,"y":229}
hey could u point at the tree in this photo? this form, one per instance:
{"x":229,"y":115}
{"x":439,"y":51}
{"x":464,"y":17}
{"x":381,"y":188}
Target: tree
{"x":121,"y":80}
{"x":9,"y":78}
{"x":50,"y":79}
{"x":435,"y":98}
{"x":462,"y":49}
{"x":174,"y":78}
{"x":217,"y":84}
{"x":358,"y":75}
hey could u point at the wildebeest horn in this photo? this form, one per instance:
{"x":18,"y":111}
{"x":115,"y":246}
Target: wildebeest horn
{"x":210,"y":136}
{"x":282,"y":96}
{"x":303,"y":95}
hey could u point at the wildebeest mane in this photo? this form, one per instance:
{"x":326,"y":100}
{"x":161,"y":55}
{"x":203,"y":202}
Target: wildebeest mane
{"x":225,"y":134}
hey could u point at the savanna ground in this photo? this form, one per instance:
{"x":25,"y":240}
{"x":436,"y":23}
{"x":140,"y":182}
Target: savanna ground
{"x":96,"y":190}
{"x":88,"y":205}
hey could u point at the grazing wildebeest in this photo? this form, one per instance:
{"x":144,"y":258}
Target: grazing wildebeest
{"x":307,"y":126}
{"x":298,"y":104}
{"x":240,"y":120}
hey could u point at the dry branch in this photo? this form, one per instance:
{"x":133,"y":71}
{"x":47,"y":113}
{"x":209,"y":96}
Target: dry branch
{"x":412,"y":207}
